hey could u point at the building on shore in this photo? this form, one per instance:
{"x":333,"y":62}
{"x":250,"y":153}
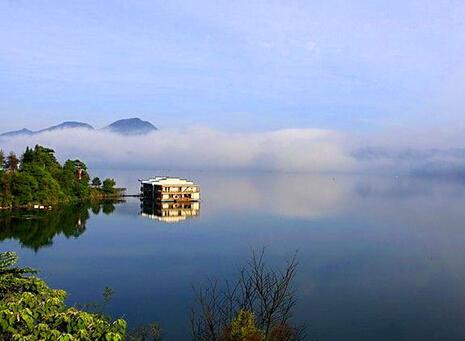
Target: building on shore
{"x":169,"y":189}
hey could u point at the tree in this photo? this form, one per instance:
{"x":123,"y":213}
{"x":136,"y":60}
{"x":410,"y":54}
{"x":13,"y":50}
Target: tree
{"x":109,"y":185}
{"x":258,"y":306}
{"x":28,"y":156}
{"x":96,"y":182}
{"x":2,"y":159}
{"x":12,"y":162}
{"x":74,"y":179}
{"x":23,"y":188}
{"x":49,"y":191}
{"x":43,"y":180}
{"x":5,"y":191}
{"x":44,"y":157}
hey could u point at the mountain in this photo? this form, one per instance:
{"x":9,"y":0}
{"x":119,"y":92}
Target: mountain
{"x":67,"y":125}
{"x":22,"y":132}
{"x":131,"y":126}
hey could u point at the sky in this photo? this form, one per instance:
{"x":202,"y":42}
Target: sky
{"x":355,"y":67}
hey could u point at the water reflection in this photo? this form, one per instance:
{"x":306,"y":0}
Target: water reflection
{"x":380,"y":257}
{"x":291,"y":195}
{"x":288,"y":195}
{"x":37,"y":229}
{"x":169,"y":212}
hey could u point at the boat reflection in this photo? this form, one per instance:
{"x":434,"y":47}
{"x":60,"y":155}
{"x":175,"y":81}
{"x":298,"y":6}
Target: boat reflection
{"x":169,"y":212}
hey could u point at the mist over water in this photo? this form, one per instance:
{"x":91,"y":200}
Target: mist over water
{"x":405,"y":152}
{"x":298,"y":150}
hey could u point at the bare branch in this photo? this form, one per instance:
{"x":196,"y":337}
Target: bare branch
{"x":264,"y":291}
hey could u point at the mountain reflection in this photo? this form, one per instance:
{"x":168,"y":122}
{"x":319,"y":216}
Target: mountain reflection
{"x":37,"y":229}
{"x":169,"y":212}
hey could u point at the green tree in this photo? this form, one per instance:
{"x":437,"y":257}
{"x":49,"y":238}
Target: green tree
{"x":109,"y":186}
{"x":43,"y":157}
{"x":96,"y":182}
{"x":23,"y":186}
{"x":53,"y":183}
{"x":28,"y":156}
{"x":12,"y":162}
{"x":75,"y":179}
{"x":5,"y":191}
{"x":48,"y":189}
{"x":2,"y":159}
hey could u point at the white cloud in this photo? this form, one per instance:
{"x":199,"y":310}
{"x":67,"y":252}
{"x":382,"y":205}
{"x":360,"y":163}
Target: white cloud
{"x":289,"y":150}
{"x":311,"y":46}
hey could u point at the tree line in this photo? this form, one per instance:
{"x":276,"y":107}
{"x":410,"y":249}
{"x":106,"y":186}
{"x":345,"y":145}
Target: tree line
{"x":36,"y":177}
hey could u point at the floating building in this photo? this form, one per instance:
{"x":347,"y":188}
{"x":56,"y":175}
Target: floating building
{"x":169,"y":189}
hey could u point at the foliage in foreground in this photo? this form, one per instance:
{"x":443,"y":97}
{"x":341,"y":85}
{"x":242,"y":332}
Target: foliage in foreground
{"x":258,"y":307}
{"x":30,"y":310}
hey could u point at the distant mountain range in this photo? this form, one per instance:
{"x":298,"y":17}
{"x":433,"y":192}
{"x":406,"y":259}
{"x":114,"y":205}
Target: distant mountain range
{"x":129,"y":126}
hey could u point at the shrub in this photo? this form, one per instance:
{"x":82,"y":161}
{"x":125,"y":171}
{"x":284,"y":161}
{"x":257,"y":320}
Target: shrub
{"x":242,"y":328}
{"x":258,"y":306}
{"x":30,"y":310}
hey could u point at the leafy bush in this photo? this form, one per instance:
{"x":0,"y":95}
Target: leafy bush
{"x":30,"y":310}
{"x":243,"y":328}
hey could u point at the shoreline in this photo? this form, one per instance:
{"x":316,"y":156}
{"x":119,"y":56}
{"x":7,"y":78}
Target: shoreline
{"x":39,"y":207}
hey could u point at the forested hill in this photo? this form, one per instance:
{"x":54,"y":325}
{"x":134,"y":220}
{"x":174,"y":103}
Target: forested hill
{"x":37,"y":178}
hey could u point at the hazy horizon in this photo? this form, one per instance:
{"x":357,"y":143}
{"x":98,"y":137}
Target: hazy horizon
{"x":275,"y":86}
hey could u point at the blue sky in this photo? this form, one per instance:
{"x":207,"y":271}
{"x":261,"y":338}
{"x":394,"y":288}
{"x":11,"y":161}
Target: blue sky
{"x":352,"y":66}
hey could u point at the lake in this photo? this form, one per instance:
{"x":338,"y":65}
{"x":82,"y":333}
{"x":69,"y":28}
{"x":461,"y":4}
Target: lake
{"x":380,"y":257}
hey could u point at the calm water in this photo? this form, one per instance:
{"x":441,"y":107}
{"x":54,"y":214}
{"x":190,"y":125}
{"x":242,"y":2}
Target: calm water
{"x":381,"y":258}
